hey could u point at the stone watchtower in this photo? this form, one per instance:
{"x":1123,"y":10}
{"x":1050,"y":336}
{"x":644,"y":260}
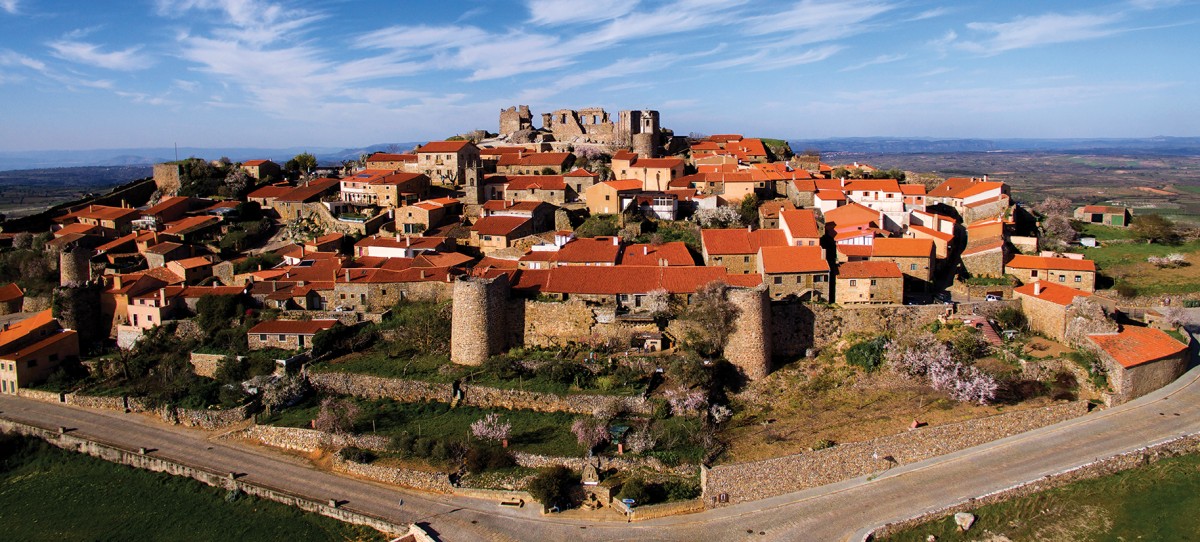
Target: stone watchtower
{"x":749,"y":345}
{"x":641,"y":131}
{"x":478,"y":325}
{"x":515,"y":119}
{"x":74,"y":264}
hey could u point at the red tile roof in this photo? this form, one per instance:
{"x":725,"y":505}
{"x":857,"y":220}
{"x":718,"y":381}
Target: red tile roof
{"x":594,"y":250}
{"x":672,"y":253}
{"x":873,"y":185}
{"x":271,"y":191}
{"x":932,"y":232}
{"x":104,"y":212}
{"x":190,"y":224}
{"x":305,"y":193}
{"x":894,"y":247}
{"x":984,"y":247}
{"x":624,"y":185}
{"x":793,"y":260}
{"x":79,"y":228}
{"x":443,"y":146}
{"x":830,"y":195}
{"x":980,"y":187}
{"x":801,"y":223}
{"x":253,"y":163}
{"x":953,"y":187}
{"x":912,"y":189}
{"x":1049,"y":291}
{"x":580,"y":172}
{"x":539,"y":182}
{"x":10,"y":292}
{"x":868,"y":270}
{"x":1135,"y":346}
{"x":19,"y":330}
{"x":622,"y":279}
{"x":1021,"y":261}
{"x":1103,"y":209}
{"x":499,"y":225}
{"x":851,"y":214}
{"x":291,"y":327}
{"x":740,"y":240}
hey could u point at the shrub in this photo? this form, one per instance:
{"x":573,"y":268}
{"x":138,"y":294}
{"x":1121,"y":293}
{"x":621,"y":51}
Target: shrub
{"x":336,"y":416}
{"x":823,"y":444}
{"x":402,"y":444}
{"x":486,"y":457}
{"x":681,"y":490}
{"x":1124,"y":289}
{"x":590,"y":432}
{"x":867,"y":354}
{"x":635,"y":488}
{"x":552,"y":485}
{"x":1011,"y":318}
{"x":491,"y":427}
{"x":357,"y":455}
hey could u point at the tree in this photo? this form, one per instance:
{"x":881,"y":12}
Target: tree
{"x":590,"y":432}
{"x":635,"y":489}
{"x":713,"y":315}
{"x":719,"y":217}
{"x":284,"y":392}
{"x":1056,"y":206}
{"x":1058,"y":229}
{"x":1154,"y":228}
{"x":748,"y":208}
{"x":491,"y":427}
{"x":302,"y":163}
{"x":926,"y":356}
{"x":336,"y":416}
{"x":683,"y":400}
{"x":552,"y":486}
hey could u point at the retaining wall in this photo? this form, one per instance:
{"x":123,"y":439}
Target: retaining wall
{"x":311,"y":440}
{"x":374,"y":387}
{"x":653,"y":511}
{"x":761,"y":479}
{"x":1102,"y":467}
{"x":425,"y":481}
{"x":204,"y":419}
{"x":115,"y":454}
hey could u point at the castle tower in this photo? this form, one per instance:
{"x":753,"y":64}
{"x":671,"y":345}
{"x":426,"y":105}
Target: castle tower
{"x":639,"y":130}
{"x":515,"y":119}
{"x":473,"y":184}
{"x":477,"y":327}
{"x":74,"y":265}
{"x":749,"y":345}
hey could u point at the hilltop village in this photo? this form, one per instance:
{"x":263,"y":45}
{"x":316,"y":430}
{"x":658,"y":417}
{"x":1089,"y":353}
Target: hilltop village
{"x":637,"y":282}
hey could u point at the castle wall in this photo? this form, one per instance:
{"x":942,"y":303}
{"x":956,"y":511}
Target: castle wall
{"x":478,"y":328}
{"x":749,"y":346}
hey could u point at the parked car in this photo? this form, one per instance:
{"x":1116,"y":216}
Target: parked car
{"x":992,"y":297}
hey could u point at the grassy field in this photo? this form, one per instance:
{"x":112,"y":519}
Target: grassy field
{"x":1126,"y":262}
{"x":50,"y":494}
{"x":1155,"y":502}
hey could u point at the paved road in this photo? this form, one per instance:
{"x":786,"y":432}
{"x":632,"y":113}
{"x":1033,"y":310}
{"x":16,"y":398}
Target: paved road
{"x":833,"y":512}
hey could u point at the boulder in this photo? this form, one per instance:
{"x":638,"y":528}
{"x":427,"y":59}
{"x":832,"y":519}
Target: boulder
{"x":964,"y":521}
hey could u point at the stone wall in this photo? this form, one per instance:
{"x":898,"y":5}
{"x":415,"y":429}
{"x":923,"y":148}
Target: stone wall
{"x":1045,"y":317}
{"x":1186,"y":444}
{"x":167,"y":178}
{"x":206,"y":364}
{"x":549,"y":323}
{"x":989,"y":263}
{"x":761,"y":479}
{"x":643,"y":513}
{"x":749,"y":345}
{"x":207,"y":419}
{"x":310,"y":440}
{"x":71,"y":442}
{"x":979,"y":292}
{"x":437,"y":482}
{"x":410,"y":391}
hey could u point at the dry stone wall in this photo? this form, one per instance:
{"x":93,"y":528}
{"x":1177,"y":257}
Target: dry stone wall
{"x":311,"y":440}
{"x":425,"y":481}
{"x":205,"y":364}
{"x":409,"y":391}
{"x":761,"y":479}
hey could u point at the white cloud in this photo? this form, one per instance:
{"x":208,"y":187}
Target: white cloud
{"x":881,"y":59}
{"x":930,"y":14}
{"x":1154,"y":4}
{"x":555,"y":12}
{"x":9,"y":6}
{"x":130,"y":59}
{"x":12,"y":58}
{"x":186,"y":86}
{"x":1051,"y":28}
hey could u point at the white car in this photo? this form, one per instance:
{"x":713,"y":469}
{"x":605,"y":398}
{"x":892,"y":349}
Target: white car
{"x":991,"y":297}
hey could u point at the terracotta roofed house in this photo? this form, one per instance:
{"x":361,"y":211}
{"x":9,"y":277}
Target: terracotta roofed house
{"x":674,"y":253}
{"x":860,"y":283}
{"x":1045,"y":306}
{"x":286,"y":334}
{"x":1139,"y":360}
{"x":800,"y":271}
{"x":1076,"y":273}
{"x":737,"y":249}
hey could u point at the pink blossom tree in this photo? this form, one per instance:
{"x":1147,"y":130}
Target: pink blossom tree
{"x":492,"y":428}
{"x":336,"y":416}
{"x":589,"y":431}
{"x":685,"y":400}
{"x":927,"y":357}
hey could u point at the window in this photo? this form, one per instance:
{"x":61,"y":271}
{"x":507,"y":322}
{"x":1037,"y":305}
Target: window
{"x":779,"y":280}
{"x":53,"y":357}
{"x":745,"y":259}
{"x":873,"y":283}
{"x":382,"y":292}
{"x":912,"y":267}
{"x":262,"y":337}
{"x":1078,"y":278}
{"x":799,"y":279}
{"x":282,"y":337}
{"x":1062,"y":278}
{"x":1033,"y":274}
{"x":853,"y":282}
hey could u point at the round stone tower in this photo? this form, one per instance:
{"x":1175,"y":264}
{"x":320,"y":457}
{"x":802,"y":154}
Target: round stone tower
{"x":74,"y":266}
{"x":477,"y":327}
{"x":749,"y":345}
{"x":645,"y":145}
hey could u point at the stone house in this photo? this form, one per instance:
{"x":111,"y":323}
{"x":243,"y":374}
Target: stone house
{"x":262,"y":169}
{"x":674,"y":253}
{"x":377,"y":290}
{"x":795,"y":271}
{"x":737,"y":249}
{"x":655,"y":173}
{"x":578,"y":181}
{"x":391,"y":161}
{"x":31,"y":349}
{"x":869,"y":283}
{"x":193,"y":270}
{"x":168,"y":210}
{"x":535,"y":163}
{"x":286,"y":334}
{"x":801,"y":227}
{"x":942,"y":242}
{"x":492,"y":233}
{"x":609,"y":198}
{"x":385,"y":188}
{"x":291,"y":205}
{"x":1046,"y":305}
{"x":548,"y":188}
{"x":768,"y":213}
{"x":446,"y":162}
{"x":1104,"y":214}
{"x":115,"y":220}
{"x":425,"y":215}
{"x":166,"y":251}
{"x":1075,"y":273}
{"x":265,"y":196}
{"x":1139,"y":360}
{"x":914,"y":257}
{"x":12,"y":298}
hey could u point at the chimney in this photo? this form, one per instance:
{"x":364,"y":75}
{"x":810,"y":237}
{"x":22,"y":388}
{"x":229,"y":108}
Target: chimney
{"x":1037,"y":288}
{"x":843,"y":181}
{"x":162,"y":297}
{"x":985,"y":177}
{"x":397,"y":236}
{"x":117,"y":281}
{"x":422,"y":274}
{"x":645,"y":251}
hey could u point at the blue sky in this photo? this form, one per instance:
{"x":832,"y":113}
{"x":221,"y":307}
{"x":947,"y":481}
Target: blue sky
{"x":281,"y":73}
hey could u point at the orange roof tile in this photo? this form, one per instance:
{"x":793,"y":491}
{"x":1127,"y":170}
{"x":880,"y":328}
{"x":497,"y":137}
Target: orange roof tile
{"x":19,"y":330}
{"x":10,"y":292}
{"x":291,"y":327}
{"x":443,"y":146}
{"x":499,"y":225}
{"x":1022,"y":261}
{"x":801,"y":223}
{"x":932,"y":232}
{"x":1134,"y":346}
{"x":740,"y":241}
{"x":851,"y":214}
{"x":539,"y":182}
{"x":1049,"y":291}
{"x":672,"y":253}
{"x":806,"y":259}
{"x":895,"y":247}
{"x":873,"y":185}
{"x":624,"y":184}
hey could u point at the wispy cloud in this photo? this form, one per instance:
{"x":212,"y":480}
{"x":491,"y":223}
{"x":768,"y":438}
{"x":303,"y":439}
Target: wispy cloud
{"x":14,"y":59}
{"x":1035,"y":31}
{"x":131,"y":59}
{"x":881,"y":59}
{"x":557,"y":12}
{"x":9,"y":6}
{"x":930,"y":14}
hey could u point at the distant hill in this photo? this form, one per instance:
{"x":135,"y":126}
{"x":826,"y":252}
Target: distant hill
{"x":25,"y":160}
{"x":1174,"y":146}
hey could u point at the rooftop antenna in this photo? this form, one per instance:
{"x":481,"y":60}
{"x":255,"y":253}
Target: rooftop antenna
{"x":176,"y":151}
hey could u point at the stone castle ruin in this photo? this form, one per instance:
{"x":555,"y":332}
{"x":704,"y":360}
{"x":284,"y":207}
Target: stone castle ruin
{"x":639,"y":130}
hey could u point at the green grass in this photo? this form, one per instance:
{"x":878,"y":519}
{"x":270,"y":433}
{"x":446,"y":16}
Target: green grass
{"x":51,"y":494}
{"x":1116,"y":254}
{"x":1102,"y":232}
{"x":1155,"y":502}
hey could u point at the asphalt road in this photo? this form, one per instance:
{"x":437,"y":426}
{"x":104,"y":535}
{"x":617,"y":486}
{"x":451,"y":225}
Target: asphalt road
{"x":835,"y":512}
